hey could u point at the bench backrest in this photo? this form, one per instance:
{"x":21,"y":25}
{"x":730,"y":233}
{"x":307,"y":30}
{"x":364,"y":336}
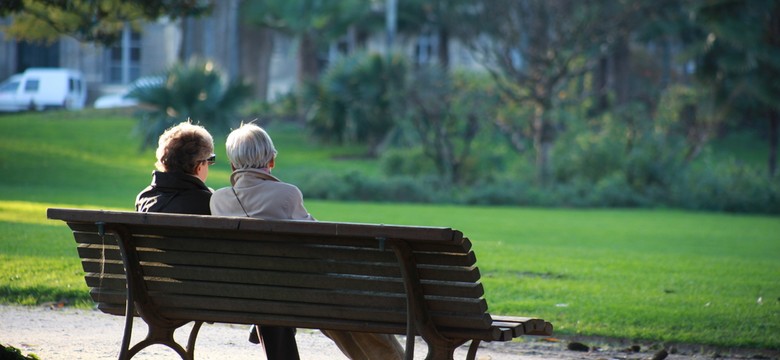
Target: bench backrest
{"x":323,"y":275}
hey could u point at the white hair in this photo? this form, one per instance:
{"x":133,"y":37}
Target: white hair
{"x":250,"y":147}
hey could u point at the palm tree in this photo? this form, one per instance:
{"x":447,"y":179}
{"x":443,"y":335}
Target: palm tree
{"x":195,"y":91}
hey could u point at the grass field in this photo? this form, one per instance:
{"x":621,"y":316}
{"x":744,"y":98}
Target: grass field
{"x":656,"y":275}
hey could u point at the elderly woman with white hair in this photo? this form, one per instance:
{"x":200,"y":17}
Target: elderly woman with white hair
{"x":255,"y":192}
{"x":258,"y":194}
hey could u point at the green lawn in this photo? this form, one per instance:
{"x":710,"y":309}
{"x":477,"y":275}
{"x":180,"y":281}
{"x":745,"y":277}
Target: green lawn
{"x":660,"y":275}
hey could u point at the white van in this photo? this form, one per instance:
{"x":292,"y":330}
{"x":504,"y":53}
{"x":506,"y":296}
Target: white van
{"x":43,"y":88}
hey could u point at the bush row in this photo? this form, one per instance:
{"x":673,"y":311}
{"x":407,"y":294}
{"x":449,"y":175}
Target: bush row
{"x":727,"y":187}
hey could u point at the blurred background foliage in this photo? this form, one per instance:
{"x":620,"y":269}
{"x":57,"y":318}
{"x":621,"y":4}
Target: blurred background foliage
{"x":573,"y":103}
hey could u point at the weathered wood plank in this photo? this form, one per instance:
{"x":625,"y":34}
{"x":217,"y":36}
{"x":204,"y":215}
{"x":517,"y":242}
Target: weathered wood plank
{"x":343,"y":297}
{"x":290,"y":246}
{"x":189,"y":222}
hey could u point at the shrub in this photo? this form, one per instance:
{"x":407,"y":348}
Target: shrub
{"x":614,"y":191}
{"x":727,"y":186}
{"x":444,"y":113}
{"x":352,"y":101}
{"x":358,"y":187}
{"x":410,"y":162}
{"x":589,"y":152}
{"x":12,"y":353}
{"x":505,"y":192}
{"x":196,"y":91}
{"x":284,"y":107}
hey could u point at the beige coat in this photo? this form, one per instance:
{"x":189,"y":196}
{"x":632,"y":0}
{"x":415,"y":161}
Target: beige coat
{"x":262,"y":196}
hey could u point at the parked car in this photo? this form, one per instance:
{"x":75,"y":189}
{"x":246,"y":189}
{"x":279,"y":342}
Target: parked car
{"x":122,"y":99}
{"x":43,"y":88}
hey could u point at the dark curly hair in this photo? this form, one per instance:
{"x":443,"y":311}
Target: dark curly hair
{"x":182,"y":147}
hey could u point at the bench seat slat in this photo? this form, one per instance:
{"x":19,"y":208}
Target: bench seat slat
{"x":494,"y":333}
{"x":454,"y":255}
{"x":525,"y":325}
{"x":387,"y":315}
{"x":243,"y":225}
{"x":314,"y":281}
{"x":343,"y":297}
{"x":426,"y":272}
{"x":387,"y":269}
{"x":489,"y":334}
{"x":280,"y":309}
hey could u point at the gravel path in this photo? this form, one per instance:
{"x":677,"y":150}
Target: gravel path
{"x":68,"y":333}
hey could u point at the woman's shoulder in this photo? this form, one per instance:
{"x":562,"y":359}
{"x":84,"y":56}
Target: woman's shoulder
{"x":287,"y":187}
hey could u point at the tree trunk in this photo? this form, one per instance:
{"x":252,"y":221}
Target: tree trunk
{"x":697,"y":134}
{"x":622,"y":71}
{"x":774,"y":132}
{"x":257,"y":46}
{"x":444,"y":48}
{"x":542,"y":144}
{"x":308,"y":67}
{"x":666,"y":63}
{"x":602,"y":91}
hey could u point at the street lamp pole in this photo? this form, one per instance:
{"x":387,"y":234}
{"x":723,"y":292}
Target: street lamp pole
{"x":391,"y":19}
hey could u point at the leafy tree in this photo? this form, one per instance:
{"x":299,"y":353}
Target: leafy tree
{"x":195,"y":91}
{"x":352,"y":102}
{"x":446,"y":19}
{"x":446,"y":112}
{"x":315,"y":23}
{"x":738,"y":56}
{"x":89,"y":20}
{"x":534,"y":49}
{"x":537,"y":49}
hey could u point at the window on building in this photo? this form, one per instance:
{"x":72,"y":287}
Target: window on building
{"x":124,"y":58}
{"x":425,"y":49}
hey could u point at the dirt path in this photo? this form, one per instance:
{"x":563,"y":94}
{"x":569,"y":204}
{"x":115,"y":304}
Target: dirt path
{"x":86,"y":334}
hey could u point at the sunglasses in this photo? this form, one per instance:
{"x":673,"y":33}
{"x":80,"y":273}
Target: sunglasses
{"x":211,"y":159}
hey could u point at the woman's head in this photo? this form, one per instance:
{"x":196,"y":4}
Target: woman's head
{"x":184,"y":148}
{"x":250,"y":147}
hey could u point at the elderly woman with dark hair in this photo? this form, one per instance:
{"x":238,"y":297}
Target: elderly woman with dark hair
{"x":258,"y":194}
{"x":184,"y":154}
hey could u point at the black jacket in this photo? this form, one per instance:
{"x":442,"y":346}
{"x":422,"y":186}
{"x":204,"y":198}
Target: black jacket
{"x":174,"y":193}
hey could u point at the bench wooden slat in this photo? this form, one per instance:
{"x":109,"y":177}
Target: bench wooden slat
{"x":113,"y":309}
{"x":383,"y":315}
{"x":315,"y":281}
{"x":343,"y":297}
{"x":104,"y":296}
{"x":456,"y":257}
{"x":260,"y":277}
{"x":488,"y":334}
{"x":318,"y":228}
{"x":356,"y":267}
{"x":525,"y":325}
{"x":376,"y":312}
{"x":491,"y":334}
{"x":443,"y":271}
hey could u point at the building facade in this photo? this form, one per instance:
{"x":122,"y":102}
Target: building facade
{"x":262,"y":57}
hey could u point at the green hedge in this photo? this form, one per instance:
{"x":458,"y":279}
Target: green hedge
{"x":726,"y":187}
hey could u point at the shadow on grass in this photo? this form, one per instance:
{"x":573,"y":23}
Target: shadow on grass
{"x":44,"y":296}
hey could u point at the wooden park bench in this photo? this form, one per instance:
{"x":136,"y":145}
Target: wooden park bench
{"x":174,"y":269}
